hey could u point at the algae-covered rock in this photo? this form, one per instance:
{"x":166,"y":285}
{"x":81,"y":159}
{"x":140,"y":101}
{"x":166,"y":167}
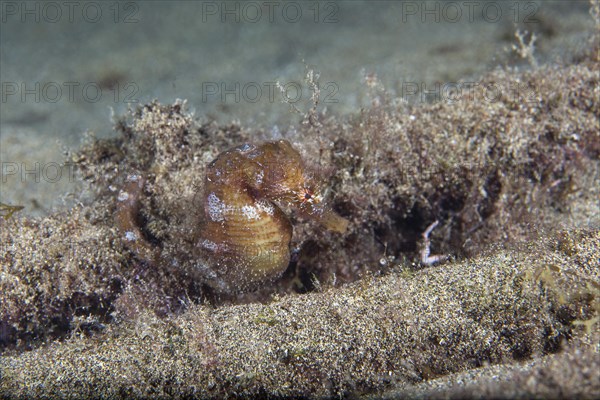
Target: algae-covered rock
{"x":400,"y":330}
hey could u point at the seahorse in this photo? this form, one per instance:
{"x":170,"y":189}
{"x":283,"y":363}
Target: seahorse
{"x":245,"y":234}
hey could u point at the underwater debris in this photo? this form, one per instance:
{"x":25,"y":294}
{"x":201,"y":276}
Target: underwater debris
{"x":426,"y":257}
{"x":7,"y":210}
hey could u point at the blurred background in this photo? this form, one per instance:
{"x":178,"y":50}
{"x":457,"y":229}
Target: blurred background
{"x":68,"y":68}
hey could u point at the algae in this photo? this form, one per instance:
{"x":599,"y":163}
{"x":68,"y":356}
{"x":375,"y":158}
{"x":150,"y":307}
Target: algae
{"x":7,"y":210}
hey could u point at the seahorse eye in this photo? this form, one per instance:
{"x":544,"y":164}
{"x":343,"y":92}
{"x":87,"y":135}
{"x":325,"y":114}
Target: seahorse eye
{"x":306,"y":196}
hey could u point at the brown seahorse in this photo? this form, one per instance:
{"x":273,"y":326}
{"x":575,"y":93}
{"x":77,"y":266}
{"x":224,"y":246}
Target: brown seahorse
{"x":246,"y":236}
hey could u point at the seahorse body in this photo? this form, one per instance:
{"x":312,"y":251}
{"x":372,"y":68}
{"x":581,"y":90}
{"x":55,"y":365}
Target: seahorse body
{"x":245,"y":234}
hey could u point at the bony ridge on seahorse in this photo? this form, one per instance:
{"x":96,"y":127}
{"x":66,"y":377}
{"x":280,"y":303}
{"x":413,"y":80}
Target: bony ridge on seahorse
{"x":245,"y":235}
